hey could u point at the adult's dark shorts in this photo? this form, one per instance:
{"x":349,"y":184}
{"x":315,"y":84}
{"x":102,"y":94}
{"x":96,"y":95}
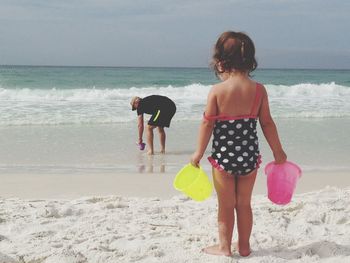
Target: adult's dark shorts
{"x":162,"y":117}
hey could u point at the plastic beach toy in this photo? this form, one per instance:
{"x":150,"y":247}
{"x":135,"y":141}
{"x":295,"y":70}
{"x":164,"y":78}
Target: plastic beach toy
{"x":141,"y":146}
{"x":193,"y":182}
{"x":281,"y":181}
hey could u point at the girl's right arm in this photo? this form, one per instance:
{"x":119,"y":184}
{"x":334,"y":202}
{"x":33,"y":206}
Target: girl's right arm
{"x":269,"y":129}
{"x":205,"y":129}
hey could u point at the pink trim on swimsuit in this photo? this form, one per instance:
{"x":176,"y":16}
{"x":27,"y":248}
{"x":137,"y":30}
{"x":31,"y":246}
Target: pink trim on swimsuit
{"x":227,"y":118}
{"x":217,"y":166}
{"x":258,"y":95}
{"x":258,"y":162}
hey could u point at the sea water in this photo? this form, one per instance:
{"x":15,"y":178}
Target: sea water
{"x":79,"y":118}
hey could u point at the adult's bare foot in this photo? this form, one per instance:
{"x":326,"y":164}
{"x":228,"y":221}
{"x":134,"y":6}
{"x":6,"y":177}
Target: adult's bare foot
{"x":216,"y":250}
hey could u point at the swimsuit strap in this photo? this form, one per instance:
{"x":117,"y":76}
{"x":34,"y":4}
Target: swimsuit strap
{"x":257,"y":98}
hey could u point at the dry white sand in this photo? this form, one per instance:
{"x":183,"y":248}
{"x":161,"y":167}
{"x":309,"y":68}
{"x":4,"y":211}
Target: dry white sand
{"x":314,"y":227}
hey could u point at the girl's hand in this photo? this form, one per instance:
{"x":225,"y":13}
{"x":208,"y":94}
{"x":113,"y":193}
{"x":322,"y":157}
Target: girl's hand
{"x":195,"y":159}
{"x":280,"y":157}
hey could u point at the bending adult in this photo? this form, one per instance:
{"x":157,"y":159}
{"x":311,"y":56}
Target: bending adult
{"x":162,"y":110}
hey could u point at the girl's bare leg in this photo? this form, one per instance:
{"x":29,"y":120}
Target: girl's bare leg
{"x":244,"y":189}
{"x":225,"y":189}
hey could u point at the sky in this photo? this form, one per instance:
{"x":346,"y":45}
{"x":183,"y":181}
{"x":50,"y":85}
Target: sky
{"x":172,"y":33}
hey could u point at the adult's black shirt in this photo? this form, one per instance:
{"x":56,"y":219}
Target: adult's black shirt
{"x":153,"y":103}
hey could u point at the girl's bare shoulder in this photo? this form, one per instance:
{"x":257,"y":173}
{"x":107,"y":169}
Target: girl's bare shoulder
{"x":263,"y":89}
{"x":217,"y":88}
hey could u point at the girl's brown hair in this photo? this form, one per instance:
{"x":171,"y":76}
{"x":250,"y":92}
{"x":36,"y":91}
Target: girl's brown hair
{"x":234,"y":51}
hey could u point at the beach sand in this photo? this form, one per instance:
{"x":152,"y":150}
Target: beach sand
{"x":145,"y":184}
{"x":314,"y":227}
{"x":139,"y":217}
{"x":87,"y":194}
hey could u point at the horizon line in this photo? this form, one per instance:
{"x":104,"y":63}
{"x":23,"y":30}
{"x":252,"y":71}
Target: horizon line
{"x":158,"y":67}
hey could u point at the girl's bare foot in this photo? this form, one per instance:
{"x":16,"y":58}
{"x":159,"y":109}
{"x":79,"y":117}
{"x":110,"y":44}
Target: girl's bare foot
{"x":243,"y":252}
{"x":150,"y":152}
{"x":216,"y":250}
{"x":162,"y":151}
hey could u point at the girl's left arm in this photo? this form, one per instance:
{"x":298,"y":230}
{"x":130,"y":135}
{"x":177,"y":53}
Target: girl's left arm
{"x":206,"y":128}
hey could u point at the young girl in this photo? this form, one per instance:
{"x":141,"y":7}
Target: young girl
{"x":231,"y":114}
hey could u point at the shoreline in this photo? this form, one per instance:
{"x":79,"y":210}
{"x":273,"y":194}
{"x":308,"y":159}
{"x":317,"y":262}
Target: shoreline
{"x":135,"y":185}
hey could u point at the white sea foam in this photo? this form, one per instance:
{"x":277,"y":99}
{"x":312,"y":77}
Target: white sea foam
{"x":62,"y":106}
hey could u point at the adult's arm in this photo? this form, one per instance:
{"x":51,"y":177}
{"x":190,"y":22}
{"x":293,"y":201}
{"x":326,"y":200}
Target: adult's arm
{"x":140,"y":127}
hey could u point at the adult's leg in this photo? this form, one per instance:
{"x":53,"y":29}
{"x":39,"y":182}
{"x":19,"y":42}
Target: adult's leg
{"x":225,"y":188}
{"x":244,"y":189}
{"x":150,"y":139}
{"x":162,"y":138}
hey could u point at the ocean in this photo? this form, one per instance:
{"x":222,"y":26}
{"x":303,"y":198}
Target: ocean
{"x":78,"y":119}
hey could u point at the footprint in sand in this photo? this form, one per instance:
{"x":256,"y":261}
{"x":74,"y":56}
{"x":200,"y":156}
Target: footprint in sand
{"x":95,"y":200}
{"x":79,"y":241}
{"x":57,"y":245}
{"x":341,"y":221}
{"x":66,"y":256}
{"x":43,"y":234}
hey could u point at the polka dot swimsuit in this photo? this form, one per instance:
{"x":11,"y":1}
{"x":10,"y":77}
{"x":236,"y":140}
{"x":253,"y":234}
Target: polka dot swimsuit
{"x":235,"y":147}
